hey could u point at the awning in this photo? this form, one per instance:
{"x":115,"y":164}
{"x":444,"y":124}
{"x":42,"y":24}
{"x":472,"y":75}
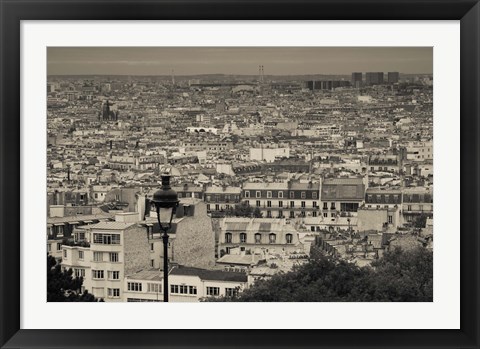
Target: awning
{"x":58,"y":224}
{"x":149,"y":225}
{"x":71,"y":223}
{"x":87,"y":221}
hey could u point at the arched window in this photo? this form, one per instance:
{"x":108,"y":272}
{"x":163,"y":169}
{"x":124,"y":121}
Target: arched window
{"x":289,"y":238}
{"x":243,"y":237}
{"x":228,"y":237}
{"x":272,"y":238}
{"x":258,"y":238}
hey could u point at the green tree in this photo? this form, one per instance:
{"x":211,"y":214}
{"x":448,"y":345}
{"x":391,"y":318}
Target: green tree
{"x":62,"y":286}
{"x":244,"y":210}
{"x":400,"y":276}
{"x":404,"y":276}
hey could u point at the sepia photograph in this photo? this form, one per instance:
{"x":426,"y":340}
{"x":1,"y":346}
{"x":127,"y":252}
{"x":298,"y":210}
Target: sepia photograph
{"x":239,"y":174}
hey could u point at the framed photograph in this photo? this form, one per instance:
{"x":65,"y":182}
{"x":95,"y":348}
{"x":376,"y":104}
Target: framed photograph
{"x":237,"y":173}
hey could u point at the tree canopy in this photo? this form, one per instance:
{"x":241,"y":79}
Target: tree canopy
{"x":62,"y":286}
{"x":400,"y":276}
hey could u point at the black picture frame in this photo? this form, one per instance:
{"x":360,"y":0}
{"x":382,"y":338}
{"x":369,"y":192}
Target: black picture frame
{"x":14,"y":11}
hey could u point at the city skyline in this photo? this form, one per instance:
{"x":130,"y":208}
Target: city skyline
{"x":185,"y":61}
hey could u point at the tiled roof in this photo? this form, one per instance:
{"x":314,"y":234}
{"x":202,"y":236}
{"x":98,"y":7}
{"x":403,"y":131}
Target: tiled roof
{"x":343,"y":181}
{"x":151,"y":275}
{"x":205,"y":274}
{"x":266,"y":186}
{"x":78,"y":218}
{"x":110,"y":225}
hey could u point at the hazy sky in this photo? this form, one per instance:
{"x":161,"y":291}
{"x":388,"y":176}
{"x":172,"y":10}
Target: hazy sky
{"x":236,"y":60}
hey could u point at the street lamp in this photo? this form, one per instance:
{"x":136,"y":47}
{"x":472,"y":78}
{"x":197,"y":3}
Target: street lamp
{"x":349,"y":230}
{"x":166,"y":202}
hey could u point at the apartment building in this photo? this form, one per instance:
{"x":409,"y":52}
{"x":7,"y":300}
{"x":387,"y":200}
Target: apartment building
{"x":283,"y":199}
{"x":255,"y":235}
{"x":186,"y":284}
{"x":105,"y":252}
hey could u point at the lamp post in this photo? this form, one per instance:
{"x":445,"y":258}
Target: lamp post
{"x":166,"y":202}
{"x":349,"y":230}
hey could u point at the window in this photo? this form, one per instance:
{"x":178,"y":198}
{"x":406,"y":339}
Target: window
{"x":154,"y":288}
{"x":152,"y":247}
{"x":228,"y":238}
{"x":303,"y":195}
{"x":152,"y":263}
{"x":390,"y":219}
{"x":213,"y":291}
{"x":258,"y":203}
{"x":113,"y":292}
{"x":314,"y":214}
{"x":292,"y":203}
{"x":325,"y":205}
{"x":98,"y":256}
{"x":272,"y":238}
{"x":80,"y":255}
{"x":409,"y":207}
{"x":302,"y":213}
{"x":332,"y":207}
{"x":289,"y":238}
{"x":292,"y":214}
{"x":269,"y":214}
{"x":314,"y":195}
{"x":332,"y":214}
{"x":315,"y":204}
{"x":106,"y":239}
{"x":420,"y":207}
{"x":113,"y":275}
{"x":243,"y":237}
{"x":208,"y":207}
{"x":134,"y":286}
{"x":292,"y":195}
{"x":231,"y":292}
{"x":280,"y":204}
{"x":247,"y":194}
{"x":96,"y":195}
{"x":280,"y":214}
{"x":303,"y":203}
{"x":49,"y":247}
{"x":65,"y":253}
{"x":258,"y":238}
{"x":173,"y":288}
{"x":97,"y":274}
{"x":113,"y":256}
{"x":192,"y":289}
{"x":269,"y":194}
{"x":269,"y":204}
{"x":325,"y":214}
{"x":258,"y":194}
{"x":80,"y":273}
{"x":280,"y":194}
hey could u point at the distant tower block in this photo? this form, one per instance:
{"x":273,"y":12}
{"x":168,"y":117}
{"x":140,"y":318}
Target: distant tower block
{"x":173,"y":77}
{"x":109,"y":111}
{"x":260,"y":73}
